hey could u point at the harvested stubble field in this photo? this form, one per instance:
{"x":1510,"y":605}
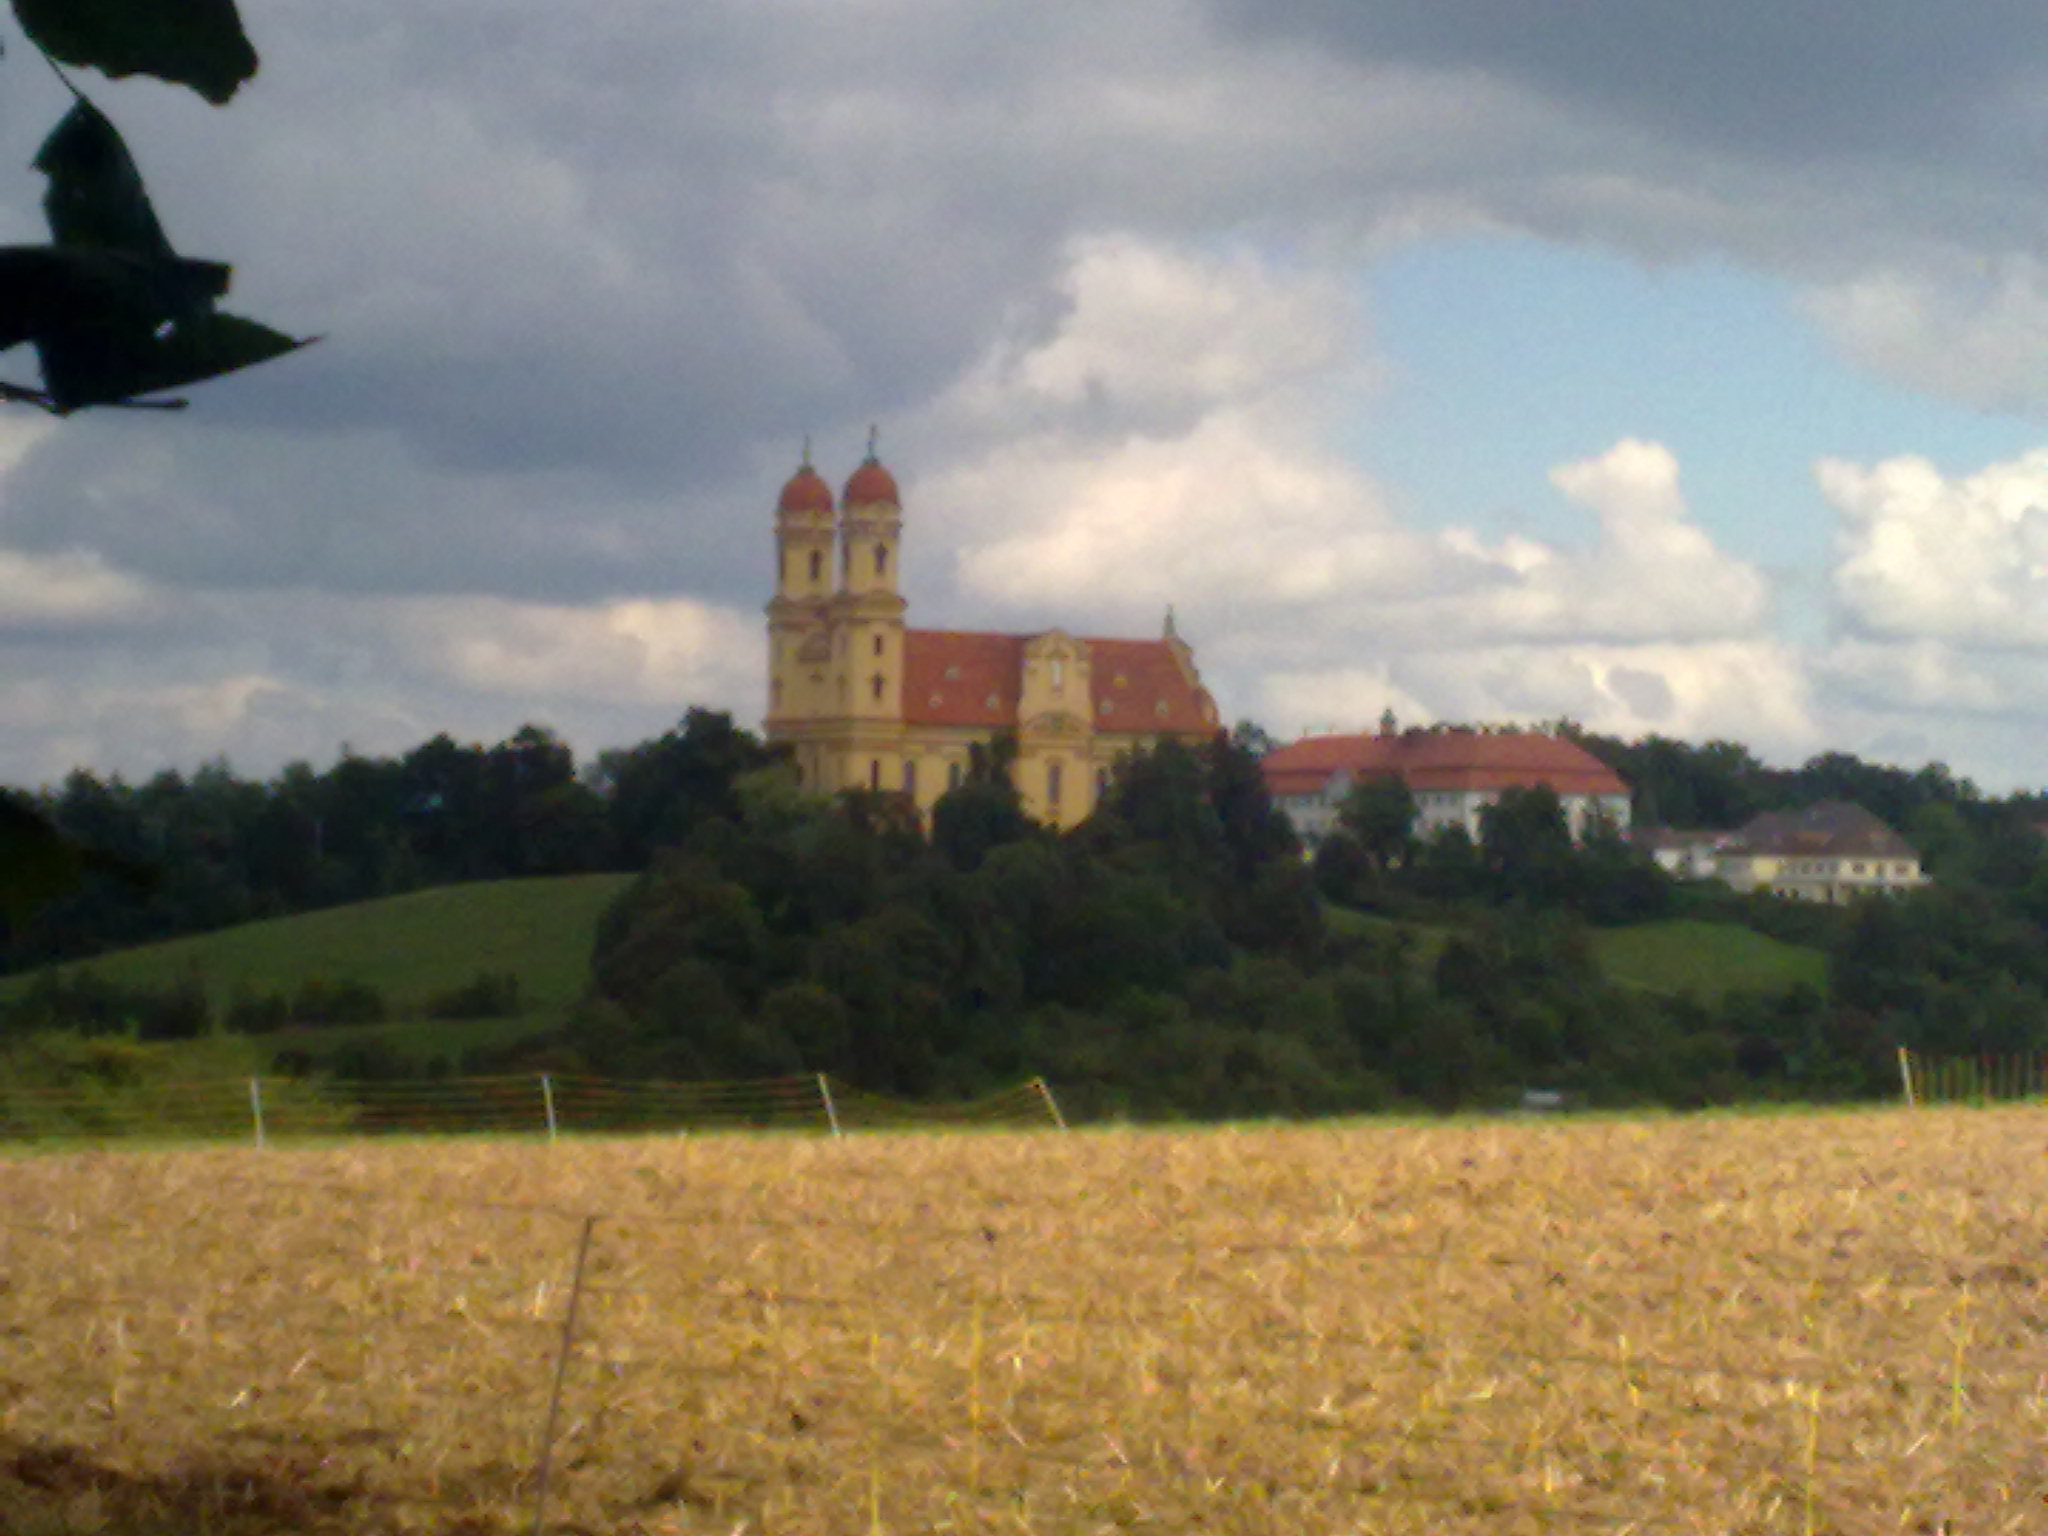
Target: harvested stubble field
{"x":1798,"y":1325}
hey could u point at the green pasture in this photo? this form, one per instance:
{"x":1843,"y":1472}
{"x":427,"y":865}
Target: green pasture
{"x":407,"y":947}
{"x":1706,"y":959}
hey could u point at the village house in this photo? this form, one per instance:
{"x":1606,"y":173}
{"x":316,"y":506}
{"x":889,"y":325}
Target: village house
{"x":1832,"y":852}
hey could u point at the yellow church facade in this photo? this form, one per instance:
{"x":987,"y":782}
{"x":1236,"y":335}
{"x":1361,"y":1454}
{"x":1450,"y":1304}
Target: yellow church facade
{"x":865,"y":702}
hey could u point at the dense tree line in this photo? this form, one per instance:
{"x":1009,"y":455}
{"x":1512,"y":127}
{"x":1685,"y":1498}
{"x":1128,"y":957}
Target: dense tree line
{"x":1170,"y":955}
{"x":192,"y":852}
{"x":1174,"y":954}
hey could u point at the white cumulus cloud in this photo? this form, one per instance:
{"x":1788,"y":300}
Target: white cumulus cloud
{"x":1923,"y":555}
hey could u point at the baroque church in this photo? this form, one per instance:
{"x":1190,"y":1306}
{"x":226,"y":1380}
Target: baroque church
{"x":866,"y":702}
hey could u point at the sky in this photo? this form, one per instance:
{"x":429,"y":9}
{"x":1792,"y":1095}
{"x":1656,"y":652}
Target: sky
{"x":1671,"y":369}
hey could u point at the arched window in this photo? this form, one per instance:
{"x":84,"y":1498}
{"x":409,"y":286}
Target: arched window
{"x":817,"y":564}
{"x":878,"y":645}
{"x":910,"y":777}
{"x":881,"y":559}
{"x":874,"y":773}
{"x":1052,"y":785}
{"x":877,"y":686}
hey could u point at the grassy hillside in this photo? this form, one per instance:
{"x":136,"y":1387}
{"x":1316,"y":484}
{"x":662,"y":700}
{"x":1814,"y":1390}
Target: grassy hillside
{"x":1684,"y":955}
{"x":407,"y":947}
{"x":1707,"y":959}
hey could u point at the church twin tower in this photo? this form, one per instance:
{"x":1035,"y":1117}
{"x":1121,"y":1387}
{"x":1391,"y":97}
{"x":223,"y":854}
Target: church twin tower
{"x":867,"y":703}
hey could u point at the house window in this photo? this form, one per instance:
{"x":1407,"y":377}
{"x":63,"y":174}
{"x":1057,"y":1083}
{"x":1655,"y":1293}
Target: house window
{"x":910,"y":778}
{"x":1052,"y":785}
{"x":874,"y":773}
{"x":952,"y":775}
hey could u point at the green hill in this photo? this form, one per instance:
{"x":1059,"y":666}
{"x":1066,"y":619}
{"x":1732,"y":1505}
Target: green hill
{"x":407,"y":947}
{"x":1706,"y":959}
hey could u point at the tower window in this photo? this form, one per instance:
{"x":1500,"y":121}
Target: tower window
{"x":910,"y":778}
{"x":881,"y":559}
{"x":817,"y":565}
{"x":876,"y":685}
{"x":878,"y":645}
{"x":874,"y":773}
{"x":1052,"y":785}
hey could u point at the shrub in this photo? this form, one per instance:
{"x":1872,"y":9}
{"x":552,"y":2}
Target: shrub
{"x":320,"y":1001}
{"x":258,"y":1013}
{"x":487,"y":995}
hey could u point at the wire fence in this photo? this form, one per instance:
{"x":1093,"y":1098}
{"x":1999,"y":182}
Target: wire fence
{"x":868,"y":1365}
{"x":2011,"y":1077}
{"x":263,"y":1110}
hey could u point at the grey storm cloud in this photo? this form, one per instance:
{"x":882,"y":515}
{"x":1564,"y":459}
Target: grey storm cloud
{"x":587,"y":275}
{"x":1779,"y":79}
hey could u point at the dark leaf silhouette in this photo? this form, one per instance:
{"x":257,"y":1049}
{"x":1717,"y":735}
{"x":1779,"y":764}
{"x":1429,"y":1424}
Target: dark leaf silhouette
{"x":198,"y":43}
{"x":38,"y":863}
{"x":112,"y":310}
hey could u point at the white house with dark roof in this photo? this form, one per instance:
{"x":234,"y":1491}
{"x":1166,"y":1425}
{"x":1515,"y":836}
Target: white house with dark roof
{"x":1832,"y":852}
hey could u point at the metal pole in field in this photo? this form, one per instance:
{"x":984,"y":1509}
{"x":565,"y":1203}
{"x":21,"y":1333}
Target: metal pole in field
{"x":831,"y":1109}
{"x":547,"y":1099}
{"x":1051,"y":1103}
{"x":1906,"y":1076}
{"x":568,"y":1342}
{"x":256,"y":1108}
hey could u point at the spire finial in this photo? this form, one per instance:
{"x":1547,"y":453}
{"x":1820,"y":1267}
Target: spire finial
{"x":873,"y":433}
{"x":1171,"y":632}
{"x":807,"y":451}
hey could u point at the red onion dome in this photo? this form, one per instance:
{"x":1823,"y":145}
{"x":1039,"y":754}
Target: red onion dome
{"x":870,"y":482}
{"x":806,"y":492}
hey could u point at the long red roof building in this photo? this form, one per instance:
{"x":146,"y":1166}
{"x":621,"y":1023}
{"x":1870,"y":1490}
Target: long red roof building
{"x":1452,"y":774}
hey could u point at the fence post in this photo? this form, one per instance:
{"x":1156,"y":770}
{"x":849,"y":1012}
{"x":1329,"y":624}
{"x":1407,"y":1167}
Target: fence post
{"x":1051,"y":1103}
{"x":547,"y":1437}
{"x":547,"y":1099}
{"x":1906,"y":1076}
{"x":256,"y":1109}
{"x":831,"y":1109}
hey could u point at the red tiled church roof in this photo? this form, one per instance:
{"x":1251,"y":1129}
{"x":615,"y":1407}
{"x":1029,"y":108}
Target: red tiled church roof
{"x":1443,"y":760}
{"x":964,"y":678}
{"x":952,"y":677}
